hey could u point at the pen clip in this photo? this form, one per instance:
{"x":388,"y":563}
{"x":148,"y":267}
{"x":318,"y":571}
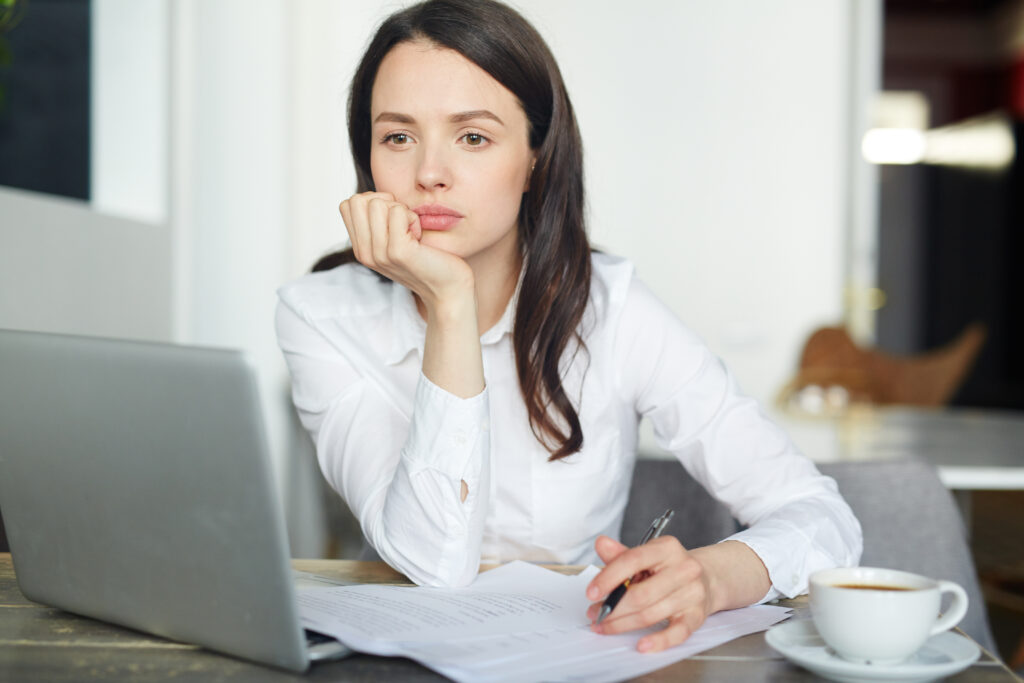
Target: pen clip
{"x":658,"y":526}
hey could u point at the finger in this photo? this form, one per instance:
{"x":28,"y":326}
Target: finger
{"x":651,"y":556}
{"x":624,"y":565}
{"x":354,"y":213}
{"x":377,"y":211}
{"x":414,"y":225}
{"x":358,"y":225}
{"x":398,"y":232}
{"x":677,"y":631}
{"x":649,"y":616}
{"x":367,"y":196}
{"x":664,"y":587}
{"x":667,"y":594}
{"x":608,"y":548}
{"x":345,"y":208}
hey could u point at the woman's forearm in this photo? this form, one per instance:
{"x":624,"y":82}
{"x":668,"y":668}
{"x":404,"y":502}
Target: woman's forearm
{"x":452,"y":357}
{"x":737,"y":577}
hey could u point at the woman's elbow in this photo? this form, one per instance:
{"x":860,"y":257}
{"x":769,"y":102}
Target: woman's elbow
{"x":445,"y":579}
{"x":449,"y":570}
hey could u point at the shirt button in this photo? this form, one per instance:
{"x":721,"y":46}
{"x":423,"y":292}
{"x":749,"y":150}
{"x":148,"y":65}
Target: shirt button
{"x":460,"y":439}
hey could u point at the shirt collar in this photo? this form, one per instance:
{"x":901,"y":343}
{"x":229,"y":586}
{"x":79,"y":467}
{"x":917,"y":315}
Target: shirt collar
{"x":410,"y":329}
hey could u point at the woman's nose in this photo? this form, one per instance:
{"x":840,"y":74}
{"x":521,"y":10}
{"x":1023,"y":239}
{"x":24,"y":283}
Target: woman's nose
{"x":433,"y":171}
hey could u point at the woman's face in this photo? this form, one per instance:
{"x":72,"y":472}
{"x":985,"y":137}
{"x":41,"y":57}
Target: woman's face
{"x":451,"y":143}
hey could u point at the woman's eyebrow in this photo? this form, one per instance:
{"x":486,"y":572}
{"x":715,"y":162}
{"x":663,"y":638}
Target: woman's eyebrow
{"x":394,"y":118}
{"x":464,"y":116}
{"x":461,"y":117}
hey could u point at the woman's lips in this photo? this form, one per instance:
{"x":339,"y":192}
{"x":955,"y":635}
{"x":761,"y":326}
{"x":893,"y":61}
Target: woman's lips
{"x":437,"y":217}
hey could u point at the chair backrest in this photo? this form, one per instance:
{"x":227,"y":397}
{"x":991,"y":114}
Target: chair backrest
{"x":909,"y":518}
{"x":831,"y":358}
{"x":659,"y":484}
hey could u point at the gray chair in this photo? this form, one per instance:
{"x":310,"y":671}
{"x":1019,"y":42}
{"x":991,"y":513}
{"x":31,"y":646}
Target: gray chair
{"x":909,"y":518}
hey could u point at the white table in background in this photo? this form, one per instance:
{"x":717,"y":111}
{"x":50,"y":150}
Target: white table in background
{"x":973,"y":449}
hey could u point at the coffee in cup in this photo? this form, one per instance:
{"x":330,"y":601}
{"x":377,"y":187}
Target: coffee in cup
{"x":880,"y":616}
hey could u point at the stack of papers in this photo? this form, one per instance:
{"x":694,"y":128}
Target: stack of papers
{"x":519,"y":622}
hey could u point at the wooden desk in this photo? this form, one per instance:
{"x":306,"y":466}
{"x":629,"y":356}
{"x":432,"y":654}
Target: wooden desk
{"x":39,"y":643}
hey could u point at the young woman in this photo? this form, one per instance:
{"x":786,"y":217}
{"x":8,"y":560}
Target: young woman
{"x":473,"y":375}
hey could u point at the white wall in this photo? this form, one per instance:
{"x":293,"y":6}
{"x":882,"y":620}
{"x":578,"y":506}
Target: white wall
{"x":715,"y":143}
{"x":102,"y":267}
{"x":718,"y":142}
{"x":129,"y":105}
{"x":65,"y":268}
{"x":328,"y":39}
{"x":230,"y":134}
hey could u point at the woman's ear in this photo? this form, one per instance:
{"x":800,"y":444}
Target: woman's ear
{"x":529,"y":174}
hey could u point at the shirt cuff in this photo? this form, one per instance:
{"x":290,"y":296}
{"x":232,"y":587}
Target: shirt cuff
{"x":446,"y":432}
{"x":780,"y":547}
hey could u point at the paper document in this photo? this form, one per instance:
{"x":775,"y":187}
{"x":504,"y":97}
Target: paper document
{"x":513,"y":598}
{"x":519,"y":622}
{"x":303,"y":580}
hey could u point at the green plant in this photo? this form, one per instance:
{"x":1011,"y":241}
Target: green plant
{"x":11,"y":12}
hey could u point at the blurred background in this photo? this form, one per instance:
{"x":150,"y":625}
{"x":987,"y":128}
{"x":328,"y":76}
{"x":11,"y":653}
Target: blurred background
{"x":772,"y":168}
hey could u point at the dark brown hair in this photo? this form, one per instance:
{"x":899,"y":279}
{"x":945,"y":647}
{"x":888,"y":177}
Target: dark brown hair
{"x":552,"y":240}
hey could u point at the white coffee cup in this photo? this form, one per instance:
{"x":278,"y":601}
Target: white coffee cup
{"x":880,"y":616}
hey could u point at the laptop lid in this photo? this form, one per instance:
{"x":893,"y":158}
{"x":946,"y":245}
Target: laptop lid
{"x":136,"y":488}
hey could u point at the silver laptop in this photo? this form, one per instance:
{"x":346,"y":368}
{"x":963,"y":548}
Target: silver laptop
{"x":136,"y":488}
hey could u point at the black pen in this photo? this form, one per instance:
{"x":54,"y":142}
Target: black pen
{"x":657,"y":526}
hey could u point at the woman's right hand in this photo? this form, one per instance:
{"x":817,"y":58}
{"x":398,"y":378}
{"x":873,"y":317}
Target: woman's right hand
{"x":385,"y":236}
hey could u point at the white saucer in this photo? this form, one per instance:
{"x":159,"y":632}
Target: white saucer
{"x":942,"y":655}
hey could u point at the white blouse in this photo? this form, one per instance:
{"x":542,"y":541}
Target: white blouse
{"x":397,"y":447}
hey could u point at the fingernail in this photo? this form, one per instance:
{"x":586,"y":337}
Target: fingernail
{"x":644,"y":645}
{"x":592,"y":592}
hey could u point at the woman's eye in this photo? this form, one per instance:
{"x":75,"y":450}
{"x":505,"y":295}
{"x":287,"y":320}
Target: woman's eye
{"x":396,"y":138}
{"x":474,"y":139}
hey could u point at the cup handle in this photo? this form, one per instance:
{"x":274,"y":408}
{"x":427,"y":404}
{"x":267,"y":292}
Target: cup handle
{"x":957,"y":609}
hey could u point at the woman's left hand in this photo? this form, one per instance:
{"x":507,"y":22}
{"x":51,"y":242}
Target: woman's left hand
{"x":677,"y":588}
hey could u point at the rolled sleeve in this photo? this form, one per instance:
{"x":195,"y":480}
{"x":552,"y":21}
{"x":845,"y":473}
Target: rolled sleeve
{"x":427,"y":531}
{"x":801,"y":538}
{"x":446,"y":432}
